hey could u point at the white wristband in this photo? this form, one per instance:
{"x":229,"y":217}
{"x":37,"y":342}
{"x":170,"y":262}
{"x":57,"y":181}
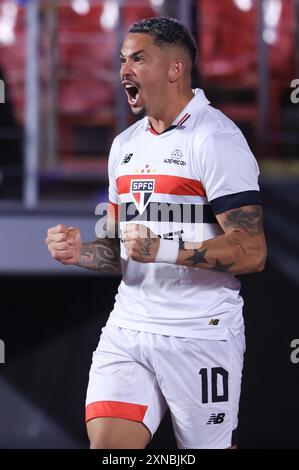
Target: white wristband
{"x":168,"y":251}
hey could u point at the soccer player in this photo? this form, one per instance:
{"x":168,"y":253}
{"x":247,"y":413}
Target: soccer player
{"x":183,"y":189}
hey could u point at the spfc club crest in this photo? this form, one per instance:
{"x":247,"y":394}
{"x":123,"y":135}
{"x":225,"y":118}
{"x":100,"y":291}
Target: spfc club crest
{"x":142,"y":191}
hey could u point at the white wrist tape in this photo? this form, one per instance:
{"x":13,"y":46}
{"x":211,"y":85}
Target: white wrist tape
{"x":168,"y":251}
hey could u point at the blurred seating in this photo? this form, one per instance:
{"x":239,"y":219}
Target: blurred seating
{"x":87,"y":79}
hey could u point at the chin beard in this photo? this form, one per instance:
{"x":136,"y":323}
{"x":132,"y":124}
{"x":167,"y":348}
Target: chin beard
{"x":139,"y":112}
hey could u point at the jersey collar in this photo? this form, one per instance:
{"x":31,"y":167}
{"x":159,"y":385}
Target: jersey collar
{"x":181,"y":121}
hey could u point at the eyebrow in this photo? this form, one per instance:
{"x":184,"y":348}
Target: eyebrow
{"x":135,"y":54}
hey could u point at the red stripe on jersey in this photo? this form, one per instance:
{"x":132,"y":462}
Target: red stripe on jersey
{"x":181,"y":120}
{"x":115,"y":409}
{"x":113,"y":210}
{"x":153,"y":131}
{"x":164,"y":184}
{"x":185,"y":120}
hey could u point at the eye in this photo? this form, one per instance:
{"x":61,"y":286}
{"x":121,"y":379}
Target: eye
{"x":122,"y":60}
{"x":138,"y":59}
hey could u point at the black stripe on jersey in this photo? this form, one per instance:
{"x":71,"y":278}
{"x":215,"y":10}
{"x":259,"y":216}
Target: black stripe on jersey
{"x":233,"y":201}
{"x":164,"y":212}
{"x":184,"y":121}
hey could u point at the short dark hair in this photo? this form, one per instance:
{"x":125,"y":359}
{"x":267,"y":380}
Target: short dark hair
{"x":167,"y":32}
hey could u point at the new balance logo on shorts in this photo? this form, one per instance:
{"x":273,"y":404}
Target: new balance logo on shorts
{"x":216,"y":419}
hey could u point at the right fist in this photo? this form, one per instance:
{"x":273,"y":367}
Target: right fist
{"x":64,"y":244}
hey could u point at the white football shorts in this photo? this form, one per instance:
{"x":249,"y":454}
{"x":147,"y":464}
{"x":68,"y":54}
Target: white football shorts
{"x":136,"y":375}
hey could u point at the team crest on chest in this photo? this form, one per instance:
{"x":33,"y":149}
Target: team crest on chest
{"x":142,"y":190}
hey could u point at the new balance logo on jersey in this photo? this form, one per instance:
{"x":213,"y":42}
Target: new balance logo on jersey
{"x":142,"y":191}
{"x":127,"y":158}
{"x":213,"y":322}
{"x":216,"y":419}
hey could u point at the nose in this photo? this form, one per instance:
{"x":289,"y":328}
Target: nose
{"x":125,"y":70}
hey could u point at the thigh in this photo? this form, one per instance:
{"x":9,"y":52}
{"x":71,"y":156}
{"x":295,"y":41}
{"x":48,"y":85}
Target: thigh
{"x":201,"y":381}
{"x":123,"y":394}
{"x":115,"y":433}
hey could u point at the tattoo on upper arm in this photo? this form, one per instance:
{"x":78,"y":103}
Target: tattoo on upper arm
{"x":250,"y":220}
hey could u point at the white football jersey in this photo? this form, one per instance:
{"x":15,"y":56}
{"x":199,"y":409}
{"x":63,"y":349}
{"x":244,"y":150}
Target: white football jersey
{"x":175,"y":183}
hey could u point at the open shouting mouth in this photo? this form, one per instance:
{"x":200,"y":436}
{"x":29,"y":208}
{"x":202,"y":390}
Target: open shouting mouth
{"x":132,"y":91}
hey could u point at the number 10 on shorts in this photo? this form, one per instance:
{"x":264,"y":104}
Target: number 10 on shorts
{"x":217,"y":374}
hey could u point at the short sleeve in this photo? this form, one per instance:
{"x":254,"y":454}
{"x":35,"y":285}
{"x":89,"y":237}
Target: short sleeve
{"x":229,"y":171}
{"x":113,"y":157}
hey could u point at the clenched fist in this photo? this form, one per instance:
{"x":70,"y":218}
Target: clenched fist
{"x":64,"y":244}
{"x":141,"y":243}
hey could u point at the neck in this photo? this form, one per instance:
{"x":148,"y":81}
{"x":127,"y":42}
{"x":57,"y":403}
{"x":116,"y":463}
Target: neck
{"x":171,"y":110}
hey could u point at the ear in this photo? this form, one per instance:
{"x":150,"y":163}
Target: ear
{"x":176,"y":71}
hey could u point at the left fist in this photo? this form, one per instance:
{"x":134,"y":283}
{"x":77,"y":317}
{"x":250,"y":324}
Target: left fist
{"x":141,"y":243}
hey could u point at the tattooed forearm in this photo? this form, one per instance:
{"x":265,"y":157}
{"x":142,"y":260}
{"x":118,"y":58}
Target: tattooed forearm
{"x":241,"y":249}
{"x":237,"y":245}
{"x":250,"y":219}
{"x":197,"y":257}
{"x":223,"y":254}
{"x":103,"y":255}
{"x":224,"y":268}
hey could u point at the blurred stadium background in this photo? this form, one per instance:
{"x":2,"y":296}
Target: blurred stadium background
{"x":59,"y":61}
